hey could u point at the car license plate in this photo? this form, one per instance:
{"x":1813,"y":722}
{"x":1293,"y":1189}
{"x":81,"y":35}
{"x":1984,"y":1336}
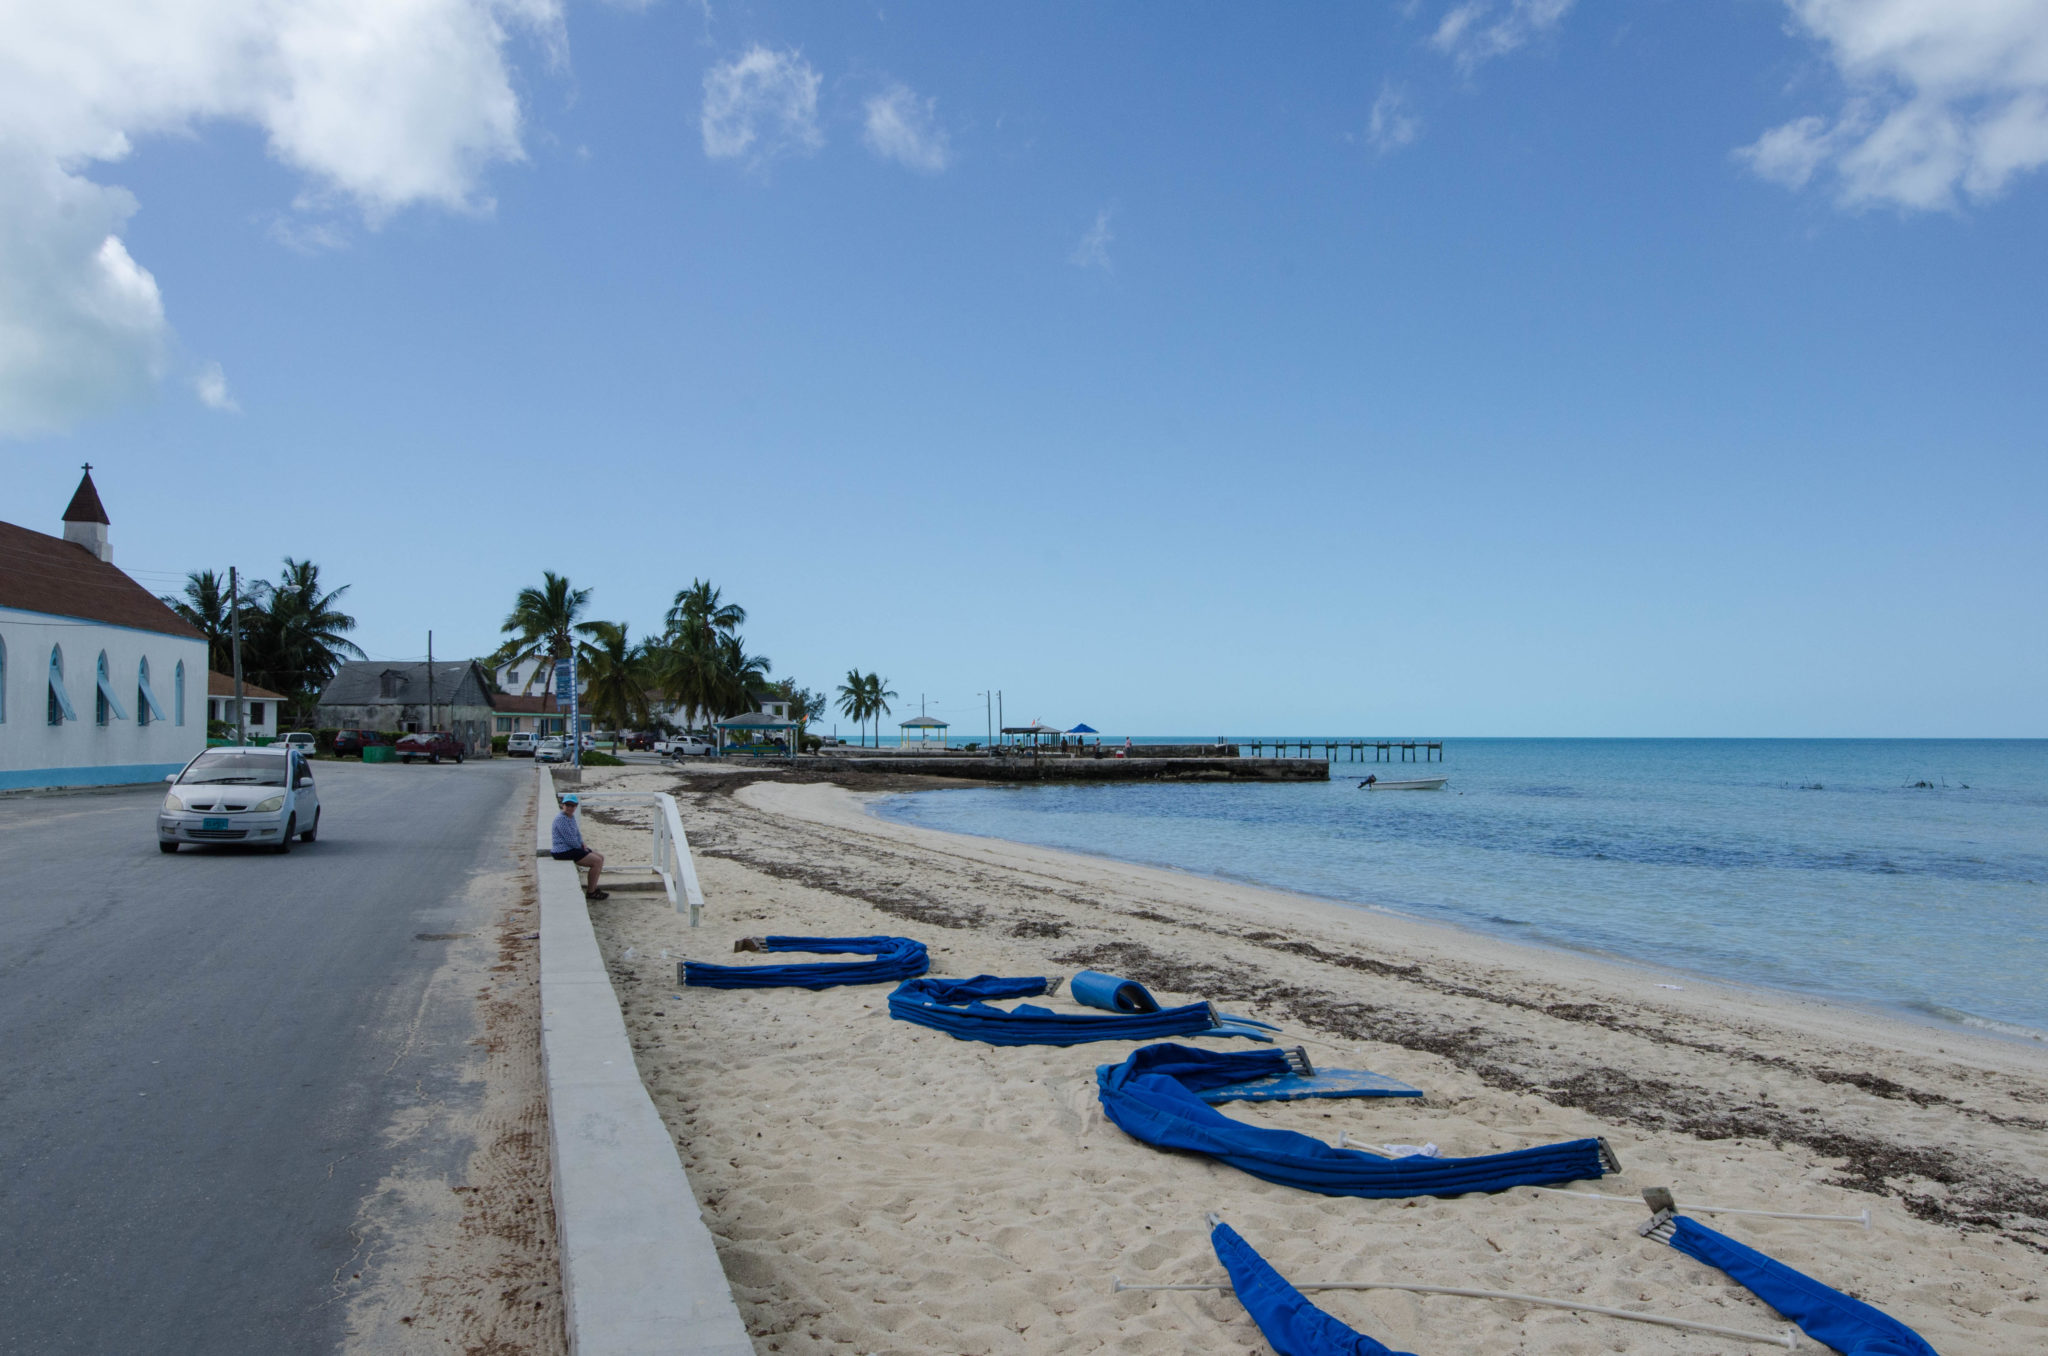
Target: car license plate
{"x":219,"y":823}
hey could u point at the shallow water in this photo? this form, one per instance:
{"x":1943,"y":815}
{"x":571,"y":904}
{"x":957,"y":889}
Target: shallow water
{"x":1818,"y":866}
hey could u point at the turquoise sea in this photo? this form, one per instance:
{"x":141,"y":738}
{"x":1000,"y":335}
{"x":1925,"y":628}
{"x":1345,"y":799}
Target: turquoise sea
{"x":1910,"y":875}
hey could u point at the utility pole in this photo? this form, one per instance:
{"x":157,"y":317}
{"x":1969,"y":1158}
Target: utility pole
{"x":999,"y":708}
{"x":235,"y":632}
{"x":430,"y":682}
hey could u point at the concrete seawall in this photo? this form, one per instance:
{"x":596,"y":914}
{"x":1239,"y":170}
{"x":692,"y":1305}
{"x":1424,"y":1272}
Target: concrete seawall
{"x":1058,"y":769}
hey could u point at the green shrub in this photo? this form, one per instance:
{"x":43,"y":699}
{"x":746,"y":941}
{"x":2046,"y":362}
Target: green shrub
{"x":595,"y":759}
{"x":323,"y":740}
{"x":499,"y":743}
{"x":812,"y":743}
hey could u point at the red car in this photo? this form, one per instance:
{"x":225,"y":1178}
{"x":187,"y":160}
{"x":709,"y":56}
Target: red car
{"x":433,"y":746}
{"x":640,"y":739}
{"x":348,"y":742}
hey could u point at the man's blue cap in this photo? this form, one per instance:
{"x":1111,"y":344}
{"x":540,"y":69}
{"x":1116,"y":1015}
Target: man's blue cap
{"x":572,"y":799}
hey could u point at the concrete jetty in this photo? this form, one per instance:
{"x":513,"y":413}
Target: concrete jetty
{"x":1052,"y":767}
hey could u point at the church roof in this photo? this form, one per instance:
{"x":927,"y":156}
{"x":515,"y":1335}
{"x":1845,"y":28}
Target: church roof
{"x":85,"y":505}
{"x":55,"y":577}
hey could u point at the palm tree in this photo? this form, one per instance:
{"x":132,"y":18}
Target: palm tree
{"x":543,"y":623}
{"x":742,"y":677}
{"x":620,"y":673}
{"x":853,"y":701}
{"x":699,"y":606}
{"x":878,"y":702}
{"x":205,"y":605}
{"x":301,"y":634}
{"x":687,"y":672}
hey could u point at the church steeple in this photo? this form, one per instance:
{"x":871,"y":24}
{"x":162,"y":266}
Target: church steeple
{"x":85,"y":520}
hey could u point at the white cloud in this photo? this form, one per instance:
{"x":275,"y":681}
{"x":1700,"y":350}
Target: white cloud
{"x":905,"y":128}
{"x":1093,"y":251}
{"x":1391,"y":126}
{"x":381,"y":104}
{"x":1474,"y":31}
{"x":761,"y":105}
{"x":212,"y":387}
{"x":1943,"y":98}
{"x":81,"y":323}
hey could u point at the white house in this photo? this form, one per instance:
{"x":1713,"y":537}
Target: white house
{"x":535,"y":675}
{"x":100,"y":683}
{"x":263,"y":704}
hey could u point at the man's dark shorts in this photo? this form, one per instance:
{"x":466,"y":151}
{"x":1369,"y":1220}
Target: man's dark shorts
{"x":573,"y":855}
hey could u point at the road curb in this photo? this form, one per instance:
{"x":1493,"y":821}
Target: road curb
{"x":640,"y":1274}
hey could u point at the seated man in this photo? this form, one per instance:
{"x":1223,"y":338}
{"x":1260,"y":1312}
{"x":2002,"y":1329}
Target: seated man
{"x":568,"y":841}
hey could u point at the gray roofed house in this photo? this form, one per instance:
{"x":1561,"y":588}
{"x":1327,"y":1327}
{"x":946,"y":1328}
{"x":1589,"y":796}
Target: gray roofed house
{"x":391,"y":695}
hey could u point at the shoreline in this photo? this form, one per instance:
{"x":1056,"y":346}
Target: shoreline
{"x":1620,"y":972}
{"x":873,"y":1186}
{"x":1967,"y":1025}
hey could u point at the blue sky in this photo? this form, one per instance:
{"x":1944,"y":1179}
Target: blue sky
{"x":1523,"y":367}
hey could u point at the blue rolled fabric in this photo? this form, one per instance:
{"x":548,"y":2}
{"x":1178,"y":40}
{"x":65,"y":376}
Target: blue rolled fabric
{"x":1097,"y":990}
{"x":1256,"y":1075}
{"x":964,"y":991}
{"x":1826,"y":1315}
{"x":954,"y":1006}
{"x":895,"y":958}
{"x":1292,"y":1325}
{"x":1160,"y":1110}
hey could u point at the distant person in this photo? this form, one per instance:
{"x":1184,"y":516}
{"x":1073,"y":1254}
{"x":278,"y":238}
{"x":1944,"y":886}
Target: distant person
{"x":568,"y":846}
{"x":1370,"y":779}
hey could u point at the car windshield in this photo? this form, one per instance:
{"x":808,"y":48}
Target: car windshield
{"x":236,"y":767}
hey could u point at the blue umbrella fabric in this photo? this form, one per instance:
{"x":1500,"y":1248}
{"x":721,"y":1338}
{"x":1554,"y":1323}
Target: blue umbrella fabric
{"x":1159,"y":1109}
{"x":1826,"y":1315}
{"x":1292,"y":1325}
{"x":957,"y":1007}
{"x":1084,"y":729}
{"x":895,"y":958}
{"x":1257,"y":1075}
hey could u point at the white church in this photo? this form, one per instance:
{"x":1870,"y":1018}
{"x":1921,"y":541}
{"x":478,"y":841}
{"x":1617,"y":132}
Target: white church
{"x":100,"y":683}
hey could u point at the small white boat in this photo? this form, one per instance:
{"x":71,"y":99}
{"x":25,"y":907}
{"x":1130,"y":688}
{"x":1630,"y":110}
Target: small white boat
{"x":1408,"y":784}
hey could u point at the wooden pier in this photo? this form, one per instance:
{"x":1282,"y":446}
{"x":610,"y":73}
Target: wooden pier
{"x":1354,"y":750}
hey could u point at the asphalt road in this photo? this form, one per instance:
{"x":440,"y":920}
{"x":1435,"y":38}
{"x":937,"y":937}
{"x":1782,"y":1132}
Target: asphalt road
{"x":200,"y":1054}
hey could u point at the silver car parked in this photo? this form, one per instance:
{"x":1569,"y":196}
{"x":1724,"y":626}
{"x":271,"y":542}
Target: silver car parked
{"x":238,"y":794}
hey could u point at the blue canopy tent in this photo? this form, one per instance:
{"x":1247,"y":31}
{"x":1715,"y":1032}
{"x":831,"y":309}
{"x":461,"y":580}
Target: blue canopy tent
{"x":894,"y":958}
{"x":1291,"y":1324}
{"x":1826,"y":1315}
{"x":958,"y":1008}
{"x":1162,"y":1110}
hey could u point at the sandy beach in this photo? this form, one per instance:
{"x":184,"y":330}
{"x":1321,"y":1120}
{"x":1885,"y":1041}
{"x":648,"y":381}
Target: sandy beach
{"x":880,"y":1187}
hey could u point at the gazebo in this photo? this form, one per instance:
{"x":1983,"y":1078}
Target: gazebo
{"x":916,"y":733}
{"x":754,"y":730}
{"x":1036,"y":729}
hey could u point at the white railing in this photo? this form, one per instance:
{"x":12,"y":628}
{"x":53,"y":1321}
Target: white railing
{"x":670,"y":858}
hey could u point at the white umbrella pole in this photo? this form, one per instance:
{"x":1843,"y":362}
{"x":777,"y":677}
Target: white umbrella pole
{"x":1784,"y":1339}
{"x":1637,"y":1201}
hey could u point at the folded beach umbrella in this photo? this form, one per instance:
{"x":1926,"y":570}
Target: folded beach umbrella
{"x":955,"y":1007}
{"x":894,"y":958}
{"x":1257,"y":1075}
{"x":1160,"y":1110}
{"x":1291,"y":1324}
{"x":1826,"y":1315}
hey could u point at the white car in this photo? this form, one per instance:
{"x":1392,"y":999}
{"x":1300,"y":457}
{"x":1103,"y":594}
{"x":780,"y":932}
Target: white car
{"x":519,"y":745}
{"x":300,"y":740}
{"x":682,"y":745}
{"x":550,"y":750}
{"x":241,"y":794}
